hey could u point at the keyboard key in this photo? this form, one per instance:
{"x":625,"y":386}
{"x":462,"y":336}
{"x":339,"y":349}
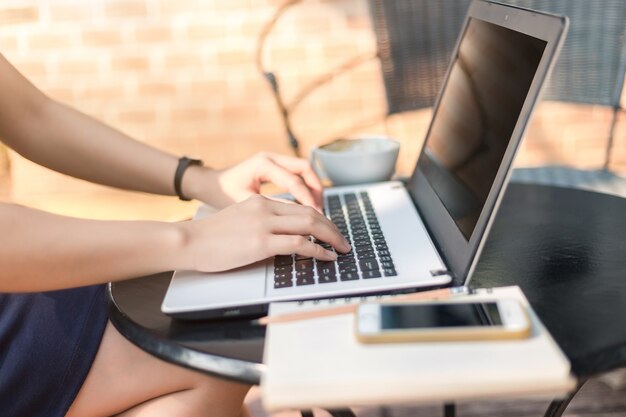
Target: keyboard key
{"x":371,"y":274}
{"x":381,"y":246}
{"x":346,"y":261}
{"x":349,"y":276}
{"x":347,"y":268}
{"x":366,"y":253}
{"x":283,"y":283}
{"x":326,"y":278}
{"x":305,"y":280}
{"x":283,"y":276}
{"x":304,"y":274}
{"x":362,"y":249}
{"x":390,"y":272}
{"x":302,"y":257}
{"x":387,"y":264}
{"x":282,"y":260}
{"x":361,"y":241}
{"x":368,"y":265}
{"x":384,"y":252}
{"x":283,"y":269}
{"x":304,"y":265}
{"x":343,"y":256}
{"x":326,"y":268}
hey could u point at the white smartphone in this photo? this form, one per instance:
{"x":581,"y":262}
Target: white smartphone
{"x":441,"y":321}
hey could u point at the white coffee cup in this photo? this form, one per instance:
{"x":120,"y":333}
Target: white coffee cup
{"x":356,"y":161}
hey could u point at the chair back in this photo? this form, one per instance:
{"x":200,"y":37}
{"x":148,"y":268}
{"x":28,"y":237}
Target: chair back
{"x":415,"y":39}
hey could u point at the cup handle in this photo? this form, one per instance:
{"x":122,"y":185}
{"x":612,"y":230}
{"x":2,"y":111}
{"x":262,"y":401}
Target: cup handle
{"x":316,"y":166}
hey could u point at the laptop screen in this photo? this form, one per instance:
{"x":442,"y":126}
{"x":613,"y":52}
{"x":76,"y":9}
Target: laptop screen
{"x":476,"y":116}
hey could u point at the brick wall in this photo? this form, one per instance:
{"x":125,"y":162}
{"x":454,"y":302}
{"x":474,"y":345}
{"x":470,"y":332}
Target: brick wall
{"x":180,"y":75}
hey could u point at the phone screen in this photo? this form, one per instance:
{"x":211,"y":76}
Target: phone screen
{"x":439,"y":315}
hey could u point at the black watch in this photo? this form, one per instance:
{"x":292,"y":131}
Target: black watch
{"x":183,"y":164}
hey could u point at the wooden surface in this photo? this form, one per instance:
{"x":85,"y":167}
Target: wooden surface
{"x":594,"y":400}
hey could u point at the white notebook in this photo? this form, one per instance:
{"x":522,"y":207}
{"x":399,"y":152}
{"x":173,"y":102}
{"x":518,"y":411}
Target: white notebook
{"x":319,"y":363}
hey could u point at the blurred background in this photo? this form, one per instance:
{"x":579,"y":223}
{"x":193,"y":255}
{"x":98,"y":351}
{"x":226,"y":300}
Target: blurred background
{"x":182,"y":75}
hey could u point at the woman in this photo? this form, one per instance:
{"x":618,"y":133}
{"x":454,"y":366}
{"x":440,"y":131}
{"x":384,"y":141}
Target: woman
{"x":58,"y":353}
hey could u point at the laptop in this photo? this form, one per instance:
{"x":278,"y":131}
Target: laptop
{"x":429,"y":231}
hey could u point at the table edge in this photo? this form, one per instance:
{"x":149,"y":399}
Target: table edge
{"x":175,"y":353}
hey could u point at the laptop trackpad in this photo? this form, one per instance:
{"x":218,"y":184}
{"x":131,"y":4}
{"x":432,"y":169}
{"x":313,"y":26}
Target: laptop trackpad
{"x":240,"y":284}
{"x":200,"y":291}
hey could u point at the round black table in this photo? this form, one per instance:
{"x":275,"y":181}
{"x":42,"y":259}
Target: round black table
{"x":565,"y":248}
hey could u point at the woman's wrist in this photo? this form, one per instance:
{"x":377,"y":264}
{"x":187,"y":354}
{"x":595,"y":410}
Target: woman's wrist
{"x":202,"y":184}
{"x":172,"y":251}
{"x":194,"y":181}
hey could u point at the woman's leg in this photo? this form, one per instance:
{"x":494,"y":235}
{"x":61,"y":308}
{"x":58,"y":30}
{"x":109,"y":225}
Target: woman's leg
{"x":124,"y":380}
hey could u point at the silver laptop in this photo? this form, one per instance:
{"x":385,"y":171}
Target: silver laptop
{"x":428,"y":232}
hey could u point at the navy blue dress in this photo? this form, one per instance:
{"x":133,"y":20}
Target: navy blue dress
{"x":48,"y":342}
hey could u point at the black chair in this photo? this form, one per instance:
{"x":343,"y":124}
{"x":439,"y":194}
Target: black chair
{"x":415,"y":39}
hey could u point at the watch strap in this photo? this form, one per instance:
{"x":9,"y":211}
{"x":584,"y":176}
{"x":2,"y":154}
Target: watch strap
{"x":183,"y":163}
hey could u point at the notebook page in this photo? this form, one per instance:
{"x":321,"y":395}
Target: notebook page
{"x":319,"y":363}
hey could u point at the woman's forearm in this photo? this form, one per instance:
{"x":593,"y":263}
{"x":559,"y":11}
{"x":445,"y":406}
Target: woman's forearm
{"x":75,"y":144}
{"x":65,"y":140}
{"x":78,"y":145}
{"x":41,"y":251}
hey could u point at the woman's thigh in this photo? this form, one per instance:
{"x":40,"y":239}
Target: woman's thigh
{"x":124,"y":376}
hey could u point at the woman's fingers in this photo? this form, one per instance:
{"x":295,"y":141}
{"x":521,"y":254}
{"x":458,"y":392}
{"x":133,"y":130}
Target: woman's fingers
{"x":303,"y":168}
{"x":288,"y":244}
{"x":255,"y":229}
{"x":309,"y":225}
{"x":296,"y":221}
{"x":296,"y":175}
{"x":292,"y":182}
{"x":282,"y":209}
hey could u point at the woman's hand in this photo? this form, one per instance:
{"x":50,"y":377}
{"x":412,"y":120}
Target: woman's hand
{"x":256,"y":229}
{"x":220,"y":188}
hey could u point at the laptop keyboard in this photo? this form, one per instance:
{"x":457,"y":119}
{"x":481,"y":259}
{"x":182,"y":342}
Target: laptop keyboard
{"x":355,"y":218}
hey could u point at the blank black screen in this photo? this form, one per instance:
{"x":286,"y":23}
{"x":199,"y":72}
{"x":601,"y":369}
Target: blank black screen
{"x":476,"y":116}
{"x":439,"y":315}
